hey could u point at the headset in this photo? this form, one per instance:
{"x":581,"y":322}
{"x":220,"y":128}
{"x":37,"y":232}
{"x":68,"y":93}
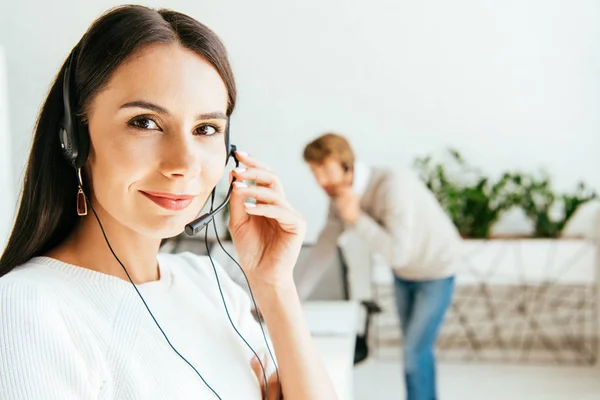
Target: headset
{"x":75,"y":144}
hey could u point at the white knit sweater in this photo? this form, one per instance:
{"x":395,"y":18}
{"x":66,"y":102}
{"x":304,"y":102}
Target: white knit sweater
{"x":71,"y":333}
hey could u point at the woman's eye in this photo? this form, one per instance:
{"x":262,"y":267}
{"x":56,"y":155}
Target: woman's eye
{"x":207,"y":130}
{"x":144,"y":123}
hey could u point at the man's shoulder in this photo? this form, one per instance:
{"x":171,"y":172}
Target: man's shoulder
{"x":386,"y":178}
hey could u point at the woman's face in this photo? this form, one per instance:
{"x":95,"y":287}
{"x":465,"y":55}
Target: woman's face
{"x":157,"y":140}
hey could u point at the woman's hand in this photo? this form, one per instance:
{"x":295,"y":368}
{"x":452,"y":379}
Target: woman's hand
{"x":272,"y":387}
{"x":267,"y":235}
{"x":267,"y":239}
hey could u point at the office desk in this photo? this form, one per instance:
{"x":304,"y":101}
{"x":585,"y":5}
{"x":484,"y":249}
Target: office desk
{"x":333,"y":327}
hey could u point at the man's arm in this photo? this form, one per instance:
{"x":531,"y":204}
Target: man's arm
{"x":320,"y":257}
{"x":392,"y":237}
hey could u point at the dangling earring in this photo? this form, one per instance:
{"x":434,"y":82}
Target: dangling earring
{"x":81,"y":201}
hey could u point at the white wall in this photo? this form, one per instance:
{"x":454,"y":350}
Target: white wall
{"x":511,"y":84}
{"x":7,"y":199}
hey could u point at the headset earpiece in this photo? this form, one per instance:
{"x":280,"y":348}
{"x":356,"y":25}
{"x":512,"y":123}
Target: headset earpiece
{"x":228,"y":146}
{"x":73,"y":135}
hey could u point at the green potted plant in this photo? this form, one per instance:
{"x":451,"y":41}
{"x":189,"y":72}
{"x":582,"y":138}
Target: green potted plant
{"x":473,"y":201}
{"x":549,"y":211}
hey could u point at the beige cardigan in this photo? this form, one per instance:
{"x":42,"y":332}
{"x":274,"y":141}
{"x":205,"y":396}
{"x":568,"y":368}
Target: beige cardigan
{"x":402,"y":221}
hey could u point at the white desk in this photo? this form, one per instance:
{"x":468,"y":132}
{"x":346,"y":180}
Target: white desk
{"x":333,"y":327}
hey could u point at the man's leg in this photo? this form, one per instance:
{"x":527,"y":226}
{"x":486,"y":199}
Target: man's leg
{"x":404,"y":294}
{"x":403,"y":291}
{"x":431,"y":300}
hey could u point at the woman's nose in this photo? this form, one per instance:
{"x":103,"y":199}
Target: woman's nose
{"x":181,"y":157}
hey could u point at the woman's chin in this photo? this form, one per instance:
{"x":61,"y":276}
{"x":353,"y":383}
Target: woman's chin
{"x":166,"y":227}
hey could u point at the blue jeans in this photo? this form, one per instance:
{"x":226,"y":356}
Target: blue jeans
{"x":421,"y":307}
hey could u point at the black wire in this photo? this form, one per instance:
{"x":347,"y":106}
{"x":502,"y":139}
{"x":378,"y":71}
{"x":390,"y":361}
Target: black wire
{"x":229,"y":316}
{"x":255,"y":307}
{"x":223,"y":297}
{"x":144,"y":301}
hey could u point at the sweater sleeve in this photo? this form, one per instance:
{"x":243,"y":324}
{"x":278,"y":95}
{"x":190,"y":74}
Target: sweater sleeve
{"x":391,"y":236}
{"x":38,"y":359}
{"x":320,"y":257}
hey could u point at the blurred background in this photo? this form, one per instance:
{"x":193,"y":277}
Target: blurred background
{"x":494,"y":104}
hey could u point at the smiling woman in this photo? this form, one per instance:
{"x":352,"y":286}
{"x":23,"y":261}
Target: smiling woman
{"x":135,"y":127}
{"x":152,"y":141}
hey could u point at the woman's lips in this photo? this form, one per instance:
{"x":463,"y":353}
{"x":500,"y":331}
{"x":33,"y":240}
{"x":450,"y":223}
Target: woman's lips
{"x":170,"y":201}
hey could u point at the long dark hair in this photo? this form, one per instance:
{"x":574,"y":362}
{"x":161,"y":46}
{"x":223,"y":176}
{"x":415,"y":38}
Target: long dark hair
{"x":47,"y":211}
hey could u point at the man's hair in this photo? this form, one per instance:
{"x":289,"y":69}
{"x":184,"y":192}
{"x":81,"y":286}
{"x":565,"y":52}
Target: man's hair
{"x":330,"y":145}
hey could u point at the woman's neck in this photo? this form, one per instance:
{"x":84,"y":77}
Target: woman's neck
{"x":86,"y":247}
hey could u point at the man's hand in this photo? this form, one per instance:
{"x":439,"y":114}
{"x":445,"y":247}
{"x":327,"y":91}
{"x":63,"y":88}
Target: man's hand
{"x":348,"y":204}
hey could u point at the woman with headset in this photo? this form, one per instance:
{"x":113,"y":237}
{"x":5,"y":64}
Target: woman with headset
{"x":130,"y":142}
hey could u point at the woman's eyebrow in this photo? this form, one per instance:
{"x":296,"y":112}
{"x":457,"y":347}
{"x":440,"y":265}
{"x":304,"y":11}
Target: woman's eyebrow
{"x":147,"y":105}
{"x":212,"y":115}
{"x":161,"y":110}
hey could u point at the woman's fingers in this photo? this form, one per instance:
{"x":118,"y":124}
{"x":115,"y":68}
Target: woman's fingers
{"x":256,"y":171}
{"x":287,"y":218}
{"x":262,"y":177}
{"x":270,"y":199}
{"x":237,"y":211}
{"x":250,"y":161}
{"x":260,"y":193}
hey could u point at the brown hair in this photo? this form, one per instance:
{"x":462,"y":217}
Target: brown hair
{"x":330,"y":145}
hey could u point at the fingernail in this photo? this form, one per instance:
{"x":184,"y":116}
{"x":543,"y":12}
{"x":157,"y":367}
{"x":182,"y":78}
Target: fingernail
{"x":239,"y":184}
{"x":242,"y":153}
{"x":239,"y":170}
{"x":250,"y":205}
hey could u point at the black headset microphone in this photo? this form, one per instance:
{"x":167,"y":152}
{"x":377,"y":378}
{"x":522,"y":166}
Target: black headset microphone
{"x":196,"y":226}
{"x":75,"y":144}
